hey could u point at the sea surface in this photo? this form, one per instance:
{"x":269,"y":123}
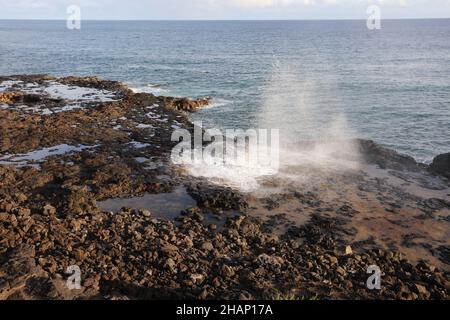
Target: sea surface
{"x":310,"y":79}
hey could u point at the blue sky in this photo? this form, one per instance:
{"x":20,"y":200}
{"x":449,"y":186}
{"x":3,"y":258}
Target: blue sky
{"x":223,"y":9}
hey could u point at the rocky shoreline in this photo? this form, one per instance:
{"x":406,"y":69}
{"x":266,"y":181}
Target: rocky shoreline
{"x":68,"y":144}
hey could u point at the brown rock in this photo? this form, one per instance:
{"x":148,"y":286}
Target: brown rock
{"x":10,"y":97}
{"x":421,"y":290}
{"x":348,"y":250}
{"x":49,"y":210}
{"x":207,"y":246}
{"x":170,"y":264}
{"x":185,"y":104}
{"x":169,"y":249}
{"x":80,"y":254}
{"x":228,"y":271}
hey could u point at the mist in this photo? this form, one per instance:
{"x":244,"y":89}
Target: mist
{"x":309,"y":137}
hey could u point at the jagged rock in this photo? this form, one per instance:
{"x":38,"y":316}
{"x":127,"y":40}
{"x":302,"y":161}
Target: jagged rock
{"x":348,"y":250}
{"x":170,"y":263}
{"x":207,"y":246}
{"x":333,"y":260}
{"x":228,"y":271}
{"x":267,"y":260}
{"x":197,"y":278}
{"x":384,"y":157}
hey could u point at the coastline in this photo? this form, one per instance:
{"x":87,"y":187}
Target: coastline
{"x":114,"y":143}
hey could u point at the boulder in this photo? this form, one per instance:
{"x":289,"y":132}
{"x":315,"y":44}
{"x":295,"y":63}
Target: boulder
{"x":441,"y":165}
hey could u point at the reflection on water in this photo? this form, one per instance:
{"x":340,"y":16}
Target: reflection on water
{"x":163,"y":205}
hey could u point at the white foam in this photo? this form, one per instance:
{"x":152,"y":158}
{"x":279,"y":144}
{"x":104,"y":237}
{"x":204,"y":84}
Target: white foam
{"x":216,"y":103}
{"x":150,"y":88}
{"x":57,"y":90}
{"x":21,"y":160}
{"x":70,"y":107}
{"x":152,"y":166}
{"x":8,"y":84}
{"x":141,"y":159}
{"x":74,"y":95}
{"x":153,"y":115}
{"x":244,"y":178}
{"x":139,"y":145}
{"x":236,"y":169}
{"x":79,"y":93}
{"x":145,"y":126}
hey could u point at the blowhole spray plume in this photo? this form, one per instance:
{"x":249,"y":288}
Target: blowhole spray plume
{"x":307,"y":137}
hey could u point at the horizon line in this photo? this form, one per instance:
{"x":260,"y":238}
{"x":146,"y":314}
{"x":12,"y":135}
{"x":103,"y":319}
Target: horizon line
{"x":200,"y":19}
{"x":212,"y":20}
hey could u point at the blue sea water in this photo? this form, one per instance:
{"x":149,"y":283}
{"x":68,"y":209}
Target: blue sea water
{"x":391,"y":85}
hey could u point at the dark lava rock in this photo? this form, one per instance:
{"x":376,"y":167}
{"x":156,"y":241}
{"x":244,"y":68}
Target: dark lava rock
{"x":32,"y":98}
{"x":216,"y":197}
{"x":441,"y":165}
{"x":384,"y":157}
{"x":146,"y":99}
{"x":97,"y":83}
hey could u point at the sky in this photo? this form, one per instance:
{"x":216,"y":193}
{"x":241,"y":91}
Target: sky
{"x":222,"y":9}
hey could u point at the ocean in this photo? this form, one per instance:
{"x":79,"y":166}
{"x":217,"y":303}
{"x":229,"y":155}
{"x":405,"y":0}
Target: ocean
{"x":302,"y":77}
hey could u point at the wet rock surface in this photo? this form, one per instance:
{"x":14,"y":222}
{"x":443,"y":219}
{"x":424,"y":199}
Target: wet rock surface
{"x":216,"y":197}
{"x":384,"y":157}
{"x":56,"y":162}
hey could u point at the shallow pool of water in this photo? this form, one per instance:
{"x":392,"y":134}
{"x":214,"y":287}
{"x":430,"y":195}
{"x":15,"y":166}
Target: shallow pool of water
{"x":162,"y":205}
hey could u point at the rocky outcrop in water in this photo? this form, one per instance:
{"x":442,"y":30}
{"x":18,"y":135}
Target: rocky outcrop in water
{"x":384,"y":157}
{"x":441,"y":165}
{"x":185,"y":104}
